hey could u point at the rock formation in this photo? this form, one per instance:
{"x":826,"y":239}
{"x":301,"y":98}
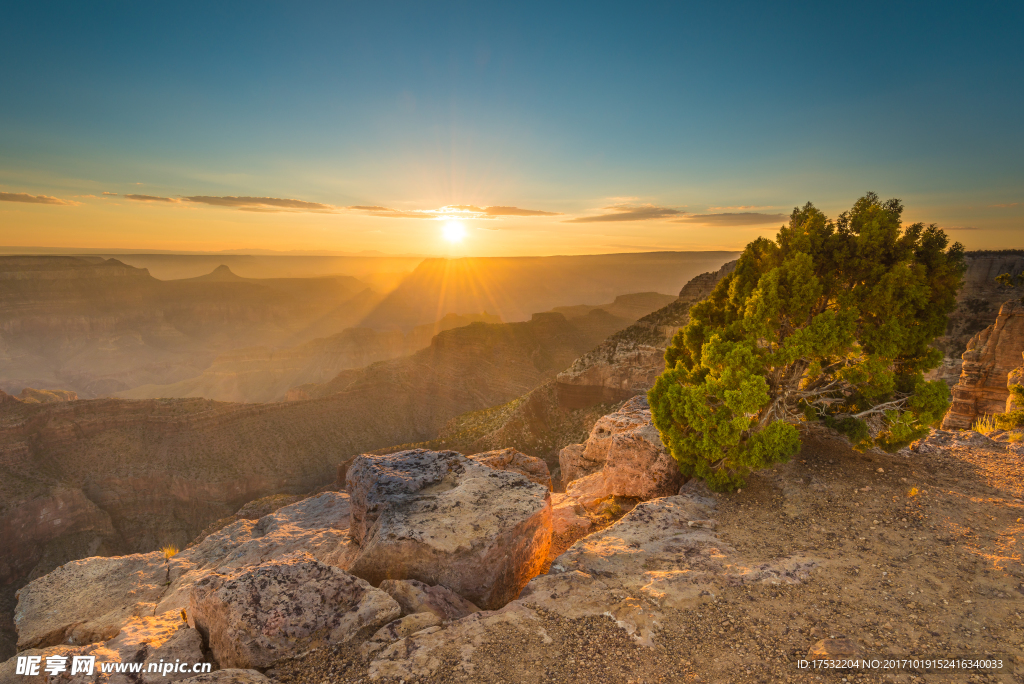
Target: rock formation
{"x":91,"y":600}
{"x":534,"y":469}
{"x":628,"y":362}
{"x":481,"y":533}
{"x":990,"y":357}
{"x":256,"y":616}
{"x":623,"y":457}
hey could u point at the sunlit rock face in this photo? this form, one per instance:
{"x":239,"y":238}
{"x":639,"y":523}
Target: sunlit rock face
{"x":990,"y":357}
{"x":256,"y":616}
{"x":438,"y":517}
{"x":622,"y":457}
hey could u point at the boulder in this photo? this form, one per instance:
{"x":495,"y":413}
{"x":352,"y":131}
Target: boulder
{"x":443,"y":519}
{"x":399,"y":629}
{"x":90,"y":600}
{"x":416,"y":597}
{"x":623,"y":457}
{"x":535,"y":469}
{"x":257,"y":616}
{"x":990,"y":357}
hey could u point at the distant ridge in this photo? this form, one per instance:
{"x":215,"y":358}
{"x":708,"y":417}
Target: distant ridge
{"x":221,"y":274}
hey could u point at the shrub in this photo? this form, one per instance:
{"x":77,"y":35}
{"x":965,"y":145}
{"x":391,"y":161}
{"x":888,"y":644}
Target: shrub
{"x":831,"y":321}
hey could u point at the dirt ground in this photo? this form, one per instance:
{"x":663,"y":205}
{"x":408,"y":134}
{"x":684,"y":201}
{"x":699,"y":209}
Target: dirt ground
{"x":919,"y":556}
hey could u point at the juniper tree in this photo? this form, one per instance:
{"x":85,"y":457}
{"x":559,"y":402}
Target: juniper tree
{"x":832,"y":321}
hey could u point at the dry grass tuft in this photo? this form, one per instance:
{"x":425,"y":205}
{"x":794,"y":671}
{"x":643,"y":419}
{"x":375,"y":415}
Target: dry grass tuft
{"x":985,"y":425}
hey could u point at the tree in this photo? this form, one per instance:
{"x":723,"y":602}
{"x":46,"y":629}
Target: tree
{"x":832,"y":322}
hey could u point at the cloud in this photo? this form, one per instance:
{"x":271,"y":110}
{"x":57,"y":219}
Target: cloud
{"x":1005,"y":206}
{"x":33,"y":199}
{"x":516,"y":211}
{"x":261,"y":203}
{"x":962,"y":228}
{"x":151,"y":198}
{"x":110,"y":193}
{"x":742,"y":207}
{"x":630,"y":212}
{"x":747,"y":218}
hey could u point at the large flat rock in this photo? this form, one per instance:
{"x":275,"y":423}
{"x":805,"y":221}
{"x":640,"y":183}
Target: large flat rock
{"x":255,"y":617}
{"x":443,"y":519}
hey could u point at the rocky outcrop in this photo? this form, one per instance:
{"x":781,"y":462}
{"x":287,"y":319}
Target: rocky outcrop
{"x":990,"y":357}
{"x":663,"y":555}
{"x":257,"y":616}
{"x":623,"y":457}
{"x":91,"y":600}
{"x":37,"y":396}
{"x":534,"y":469}
{"x":628,"y":362}
{"x":481,"y":533}
{"x":977,"y":307}
{"x":1014,"y":377}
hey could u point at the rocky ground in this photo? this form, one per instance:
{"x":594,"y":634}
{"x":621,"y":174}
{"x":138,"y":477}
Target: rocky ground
{"x":917,"y":553}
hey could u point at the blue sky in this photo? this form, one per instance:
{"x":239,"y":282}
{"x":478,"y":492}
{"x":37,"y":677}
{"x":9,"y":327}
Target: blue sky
{"x":660,"y":118}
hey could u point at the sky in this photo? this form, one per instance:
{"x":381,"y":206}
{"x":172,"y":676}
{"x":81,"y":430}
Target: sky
{"x":501,"y":128}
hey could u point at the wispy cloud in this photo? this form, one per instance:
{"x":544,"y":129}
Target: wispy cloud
{"x":516,"y":211}
{"x":33,"y":199}
{"x":113,"y":194}
{"x":746,"y":218}
{"x":961,"y":228}
{"x":451,"y":211}
{"x":630,"y":212}
{"x":261,"y":203}
{"x":1005,"y":206}
{"x":742,"y":207}
{"x":151,"y":198}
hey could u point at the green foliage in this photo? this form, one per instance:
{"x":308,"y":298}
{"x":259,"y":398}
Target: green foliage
{"x":831,"y":321}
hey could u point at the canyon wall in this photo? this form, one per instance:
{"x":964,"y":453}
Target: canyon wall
{"x":96,"y":326}
{"x":991,"y":356}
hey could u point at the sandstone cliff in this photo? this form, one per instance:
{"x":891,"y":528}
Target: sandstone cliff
{"x":978,"y":305}
{"x":991,"y":355}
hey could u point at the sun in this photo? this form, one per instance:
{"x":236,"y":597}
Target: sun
{"x":454,"y":232}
